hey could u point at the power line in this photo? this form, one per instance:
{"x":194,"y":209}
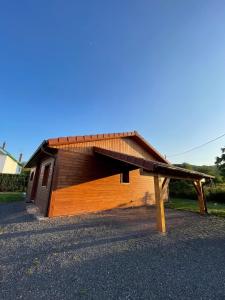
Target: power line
{"x":197,"y":147}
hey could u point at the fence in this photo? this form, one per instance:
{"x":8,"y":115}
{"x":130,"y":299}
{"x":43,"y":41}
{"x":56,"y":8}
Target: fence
{"x":13,"y":183}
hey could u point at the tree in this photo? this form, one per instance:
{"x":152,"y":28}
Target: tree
{"x":211,"y":170}
{"x":220,"y":162}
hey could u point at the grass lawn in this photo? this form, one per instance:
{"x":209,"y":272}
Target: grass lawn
{"x":11,"y":197}
{"x":217,"y":209}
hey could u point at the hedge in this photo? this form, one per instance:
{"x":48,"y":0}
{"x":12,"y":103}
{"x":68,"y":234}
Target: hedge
{"x":13,"y":183}
{"x":185,"y":189}
{"x":215,"y":194}
{"x":182,"y":189}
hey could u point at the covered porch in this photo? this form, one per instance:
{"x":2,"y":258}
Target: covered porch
{"x":161,"y":171}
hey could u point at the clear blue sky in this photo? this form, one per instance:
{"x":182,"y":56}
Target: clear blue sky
{"x":86,"y":67}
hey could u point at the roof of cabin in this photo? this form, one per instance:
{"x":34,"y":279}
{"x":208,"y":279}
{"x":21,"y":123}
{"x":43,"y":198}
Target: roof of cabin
{"x":162,"y":166}
{"x":4,"y":152}
{"x":88,"y":138}
{"x":51,"y":143}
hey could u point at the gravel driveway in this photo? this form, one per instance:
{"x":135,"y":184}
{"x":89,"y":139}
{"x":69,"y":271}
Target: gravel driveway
{"x":112,"y":255}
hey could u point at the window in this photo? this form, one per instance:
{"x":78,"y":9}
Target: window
{"x":32,"y":176}
{"x":45,"y":175}
{"x":124,"y":177}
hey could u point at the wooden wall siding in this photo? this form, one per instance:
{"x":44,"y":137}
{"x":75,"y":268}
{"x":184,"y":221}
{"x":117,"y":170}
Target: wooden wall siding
{"x":125,"y":145}
{"x":86,"y":183}
{"x":42,"y":196}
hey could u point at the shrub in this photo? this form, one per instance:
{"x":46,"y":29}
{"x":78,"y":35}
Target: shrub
{"x":182,"y":189}
{"x":13,"y":183}
{"x":185,"y":189}
{"x":215,"y":194}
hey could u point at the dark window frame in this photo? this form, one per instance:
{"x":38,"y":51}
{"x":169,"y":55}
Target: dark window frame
{"x":32,"y":176}
{"x":125,"y":177}
{"x":45,"y":177}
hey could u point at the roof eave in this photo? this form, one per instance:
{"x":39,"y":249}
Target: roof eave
{"x":43,"y":144}
{"x":153,"y":167}
{"x":153,"y":149}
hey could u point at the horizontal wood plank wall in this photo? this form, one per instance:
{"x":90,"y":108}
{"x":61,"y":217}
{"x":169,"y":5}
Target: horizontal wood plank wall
{"x":87,"y":183}
{"x":125,"y":145}
{"x":42,"y":196}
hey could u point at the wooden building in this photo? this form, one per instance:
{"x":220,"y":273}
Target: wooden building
{"x":83,"y":174}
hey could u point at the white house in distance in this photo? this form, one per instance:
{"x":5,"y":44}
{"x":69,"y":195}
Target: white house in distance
{"x":8,"y":164}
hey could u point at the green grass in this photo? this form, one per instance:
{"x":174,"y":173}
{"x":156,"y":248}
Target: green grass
{"x":11,"y":197}
{"x":217,"y":209}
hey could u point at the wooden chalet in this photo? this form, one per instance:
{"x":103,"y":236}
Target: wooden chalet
{"x":84,"y":174}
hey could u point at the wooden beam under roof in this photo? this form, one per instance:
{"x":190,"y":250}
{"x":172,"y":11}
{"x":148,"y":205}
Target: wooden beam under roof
{"x":151,"y":168}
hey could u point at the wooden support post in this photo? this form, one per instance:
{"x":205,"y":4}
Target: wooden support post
{"x":160,"y":212}
{"x":164,"y":190}
{"x":201,"y":197}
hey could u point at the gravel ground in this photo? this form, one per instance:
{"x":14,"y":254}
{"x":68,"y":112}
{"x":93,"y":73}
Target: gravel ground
{"x":112,"y":255}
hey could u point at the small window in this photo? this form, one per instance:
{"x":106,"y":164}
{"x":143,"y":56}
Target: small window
{"x":45,"y":175}
{"x":124,"y":177}
{"x":32,"y":176}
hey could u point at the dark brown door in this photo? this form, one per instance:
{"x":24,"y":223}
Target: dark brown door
{"x":35,"y":183}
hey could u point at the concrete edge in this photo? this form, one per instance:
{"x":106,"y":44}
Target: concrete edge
{"x":33,"y":210}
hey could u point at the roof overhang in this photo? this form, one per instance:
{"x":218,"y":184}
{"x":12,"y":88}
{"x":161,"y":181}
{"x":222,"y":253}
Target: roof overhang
{"x":150,"y":167}
{"x":42,"y":151}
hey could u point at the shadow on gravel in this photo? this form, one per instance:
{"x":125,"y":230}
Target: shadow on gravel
{"x":11,"y":213}
{"x":114,"y":255}
{"x":102,"y":222}
{"x":59,"y":229}
{"x":78,"y":245}
{"x":119,"y":268}
{"x":185,"y":271}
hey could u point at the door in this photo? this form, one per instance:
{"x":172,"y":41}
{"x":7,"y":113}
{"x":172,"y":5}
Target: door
{"x":35,"y":184}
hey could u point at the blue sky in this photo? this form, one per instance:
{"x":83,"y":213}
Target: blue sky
{"x":86,"y":67}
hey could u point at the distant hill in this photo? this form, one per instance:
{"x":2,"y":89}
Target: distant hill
{"x":185,"y":189}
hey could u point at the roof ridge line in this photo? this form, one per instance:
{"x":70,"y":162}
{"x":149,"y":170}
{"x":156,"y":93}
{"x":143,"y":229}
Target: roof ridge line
{"x":84,"y":138}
